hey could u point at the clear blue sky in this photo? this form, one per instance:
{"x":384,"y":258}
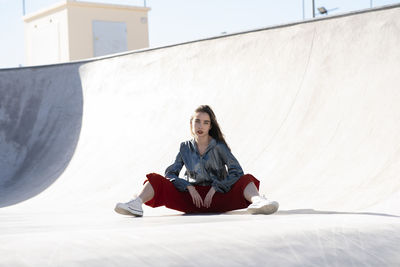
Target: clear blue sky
{"x":176,"y":21}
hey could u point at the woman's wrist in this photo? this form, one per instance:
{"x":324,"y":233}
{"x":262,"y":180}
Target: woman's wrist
{"x":190,"y":187}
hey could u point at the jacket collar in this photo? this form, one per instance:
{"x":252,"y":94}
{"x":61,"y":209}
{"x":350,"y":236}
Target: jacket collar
{"x":210,"y":146}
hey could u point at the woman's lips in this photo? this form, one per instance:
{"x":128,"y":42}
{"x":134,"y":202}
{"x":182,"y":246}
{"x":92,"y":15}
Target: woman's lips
{"x":200,"y":132}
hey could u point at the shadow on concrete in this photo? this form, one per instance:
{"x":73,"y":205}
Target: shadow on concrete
{"x":280,"y":212}
{"x":40,"y":122}
{"x":312,"y":211}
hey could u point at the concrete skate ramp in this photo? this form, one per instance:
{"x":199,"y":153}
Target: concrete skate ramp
{"x":311,"y":109}
{"x":40,"y":120}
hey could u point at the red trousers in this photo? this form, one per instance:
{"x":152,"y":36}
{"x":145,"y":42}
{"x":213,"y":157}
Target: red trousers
{"x":165,"y":194}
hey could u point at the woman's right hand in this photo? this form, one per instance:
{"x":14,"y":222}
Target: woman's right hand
{"x":197,"y":201}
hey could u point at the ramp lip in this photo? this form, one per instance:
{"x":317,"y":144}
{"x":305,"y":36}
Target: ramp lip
{"x":294,"y":23}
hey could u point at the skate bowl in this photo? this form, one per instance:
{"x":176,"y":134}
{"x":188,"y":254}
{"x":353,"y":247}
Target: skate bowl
{"x":311,"y":109}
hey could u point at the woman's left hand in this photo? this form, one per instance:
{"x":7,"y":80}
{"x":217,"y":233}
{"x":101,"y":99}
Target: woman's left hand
{"x":208,"y":198}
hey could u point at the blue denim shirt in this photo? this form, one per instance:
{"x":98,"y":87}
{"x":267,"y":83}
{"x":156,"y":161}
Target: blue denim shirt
{"x":207,"y":169}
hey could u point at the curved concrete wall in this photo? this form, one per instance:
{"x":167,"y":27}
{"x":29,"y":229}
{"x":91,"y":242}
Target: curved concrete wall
{"x":310,"y":109}
{"x":40,"y":120}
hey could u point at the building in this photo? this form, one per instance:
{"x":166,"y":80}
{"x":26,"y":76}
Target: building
{"x":74,"y":30}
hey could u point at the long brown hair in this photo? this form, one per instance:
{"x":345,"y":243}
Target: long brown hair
{"x":215,"y":130}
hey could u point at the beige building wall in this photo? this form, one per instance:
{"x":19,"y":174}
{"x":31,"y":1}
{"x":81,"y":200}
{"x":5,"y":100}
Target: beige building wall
{"x":64,"y":31}
{"x":46,"y":38}
{"x":81,"y":16}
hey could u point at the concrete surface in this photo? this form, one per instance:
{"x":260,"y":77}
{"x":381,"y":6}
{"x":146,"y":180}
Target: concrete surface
{"x":311,"y":109}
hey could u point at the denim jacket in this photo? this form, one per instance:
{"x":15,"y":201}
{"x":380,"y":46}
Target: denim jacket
{"x":206,"y":169}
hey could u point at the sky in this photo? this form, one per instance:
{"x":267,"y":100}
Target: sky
{"x":177,"y":21}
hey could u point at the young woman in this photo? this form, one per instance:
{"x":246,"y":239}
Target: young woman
{"x":214,"y":181}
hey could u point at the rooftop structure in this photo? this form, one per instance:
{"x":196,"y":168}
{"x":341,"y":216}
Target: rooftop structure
{"x":74,"y":30}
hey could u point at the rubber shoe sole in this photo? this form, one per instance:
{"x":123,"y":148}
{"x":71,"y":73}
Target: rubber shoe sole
{"x":266,"y":209}
{"x":126,"y":210}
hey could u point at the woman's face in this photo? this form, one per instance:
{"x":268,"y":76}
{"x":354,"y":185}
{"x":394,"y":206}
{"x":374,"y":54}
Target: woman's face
{"x":201,"y":124}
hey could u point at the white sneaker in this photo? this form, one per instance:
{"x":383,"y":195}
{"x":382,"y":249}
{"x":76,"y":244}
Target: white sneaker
{"x":261,"y":205}
{"x":133,"y":207}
